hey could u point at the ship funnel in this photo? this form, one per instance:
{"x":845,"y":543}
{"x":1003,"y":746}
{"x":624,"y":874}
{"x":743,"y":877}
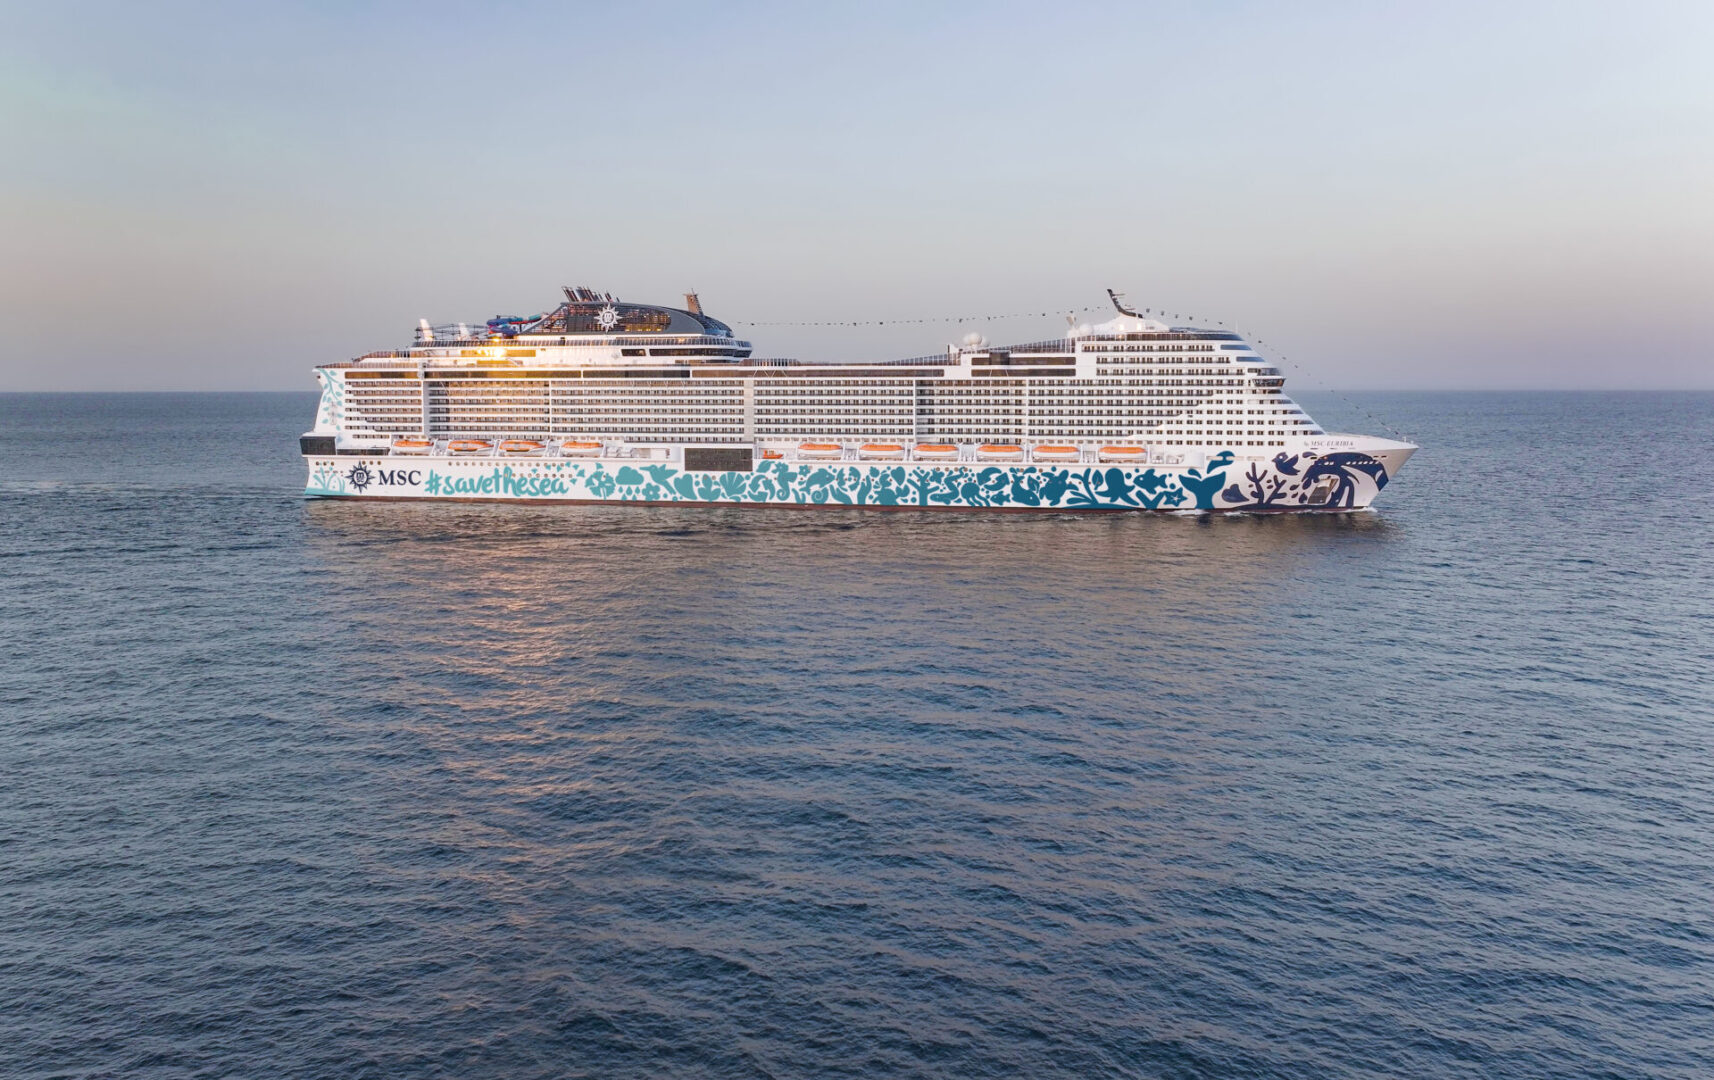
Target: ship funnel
{"x":463,"y":330}
{"x":692,"y":303}
{"x":425,"y":332}
{"x":1118,"y":302}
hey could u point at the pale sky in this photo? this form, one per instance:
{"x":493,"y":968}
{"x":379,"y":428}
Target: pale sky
{"x":1434,"y":195}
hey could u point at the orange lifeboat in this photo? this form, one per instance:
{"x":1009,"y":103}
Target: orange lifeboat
{"x":1056,"y":453}
{"x":999,"y":452}
{"x":881,"y":451}
{"x":935,"y":452}
{"x":772,"y":455}
{"x":469,"y":446}
{"x":412,"y":446}
{"x":1123,"y":453}
{"x":580,"y":448}
{"x":521,"y":446}
{"x":820,"y":451}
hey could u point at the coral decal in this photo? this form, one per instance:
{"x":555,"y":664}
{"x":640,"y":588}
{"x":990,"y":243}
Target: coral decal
{"x":325,"y":480}
{"x":330,"y":411}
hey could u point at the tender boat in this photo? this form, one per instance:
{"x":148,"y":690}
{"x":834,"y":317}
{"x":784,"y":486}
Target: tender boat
{"x":1056,"y":453}
{"x":935,"y":452}
{"x":580,"y":448}
{"x":820,"y":451}
{"x":469,"y":446}
{"x":521,"y":446}
{"x":412,"y":446}
{"x":1122,"y":453}
{"x":881,"y":451}
{"x":999,"y":452}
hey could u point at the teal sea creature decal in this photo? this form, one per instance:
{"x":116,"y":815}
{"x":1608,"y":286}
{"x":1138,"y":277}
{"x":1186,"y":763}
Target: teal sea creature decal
{"x":1206,"y":483}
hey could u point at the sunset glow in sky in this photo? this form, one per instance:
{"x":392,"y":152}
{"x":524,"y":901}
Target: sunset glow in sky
{"x":1394,"y":196}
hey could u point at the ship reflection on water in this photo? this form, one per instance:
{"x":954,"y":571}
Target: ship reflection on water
{"x":687,"y":762}
{"x":533,"y":603}
{"x":519,"y":640}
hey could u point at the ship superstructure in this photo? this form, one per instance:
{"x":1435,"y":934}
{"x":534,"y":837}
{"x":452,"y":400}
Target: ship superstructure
{"x":606,"y":400}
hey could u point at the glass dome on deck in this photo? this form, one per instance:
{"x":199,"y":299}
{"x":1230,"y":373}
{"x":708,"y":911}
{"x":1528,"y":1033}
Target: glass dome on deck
{"x":588,"y":312}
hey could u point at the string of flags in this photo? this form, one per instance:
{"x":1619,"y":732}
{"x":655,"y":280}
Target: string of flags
{"x":1162,"y":314}
{"x":925,"y":321}
{"x":951,"y":319}
{"x":1322,"y":385}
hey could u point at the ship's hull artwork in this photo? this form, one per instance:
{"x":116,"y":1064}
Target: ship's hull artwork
{"x":1336,"y":480}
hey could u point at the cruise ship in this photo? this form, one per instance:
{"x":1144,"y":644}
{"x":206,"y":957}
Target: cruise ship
{"x":605,"y":400}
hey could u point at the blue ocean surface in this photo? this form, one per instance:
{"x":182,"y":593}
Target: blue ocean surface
{"x":321,"y":789}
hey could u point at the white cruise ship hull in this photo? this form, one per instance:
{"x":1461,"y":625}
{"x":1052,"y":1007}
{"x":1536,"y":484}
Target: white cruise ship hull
{"x":1335,"y":473}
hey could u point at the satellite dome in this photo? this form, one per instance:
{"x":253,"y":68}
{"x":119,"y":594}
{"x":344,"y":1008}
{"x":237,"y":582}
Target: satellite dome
{"x":973,"y":340}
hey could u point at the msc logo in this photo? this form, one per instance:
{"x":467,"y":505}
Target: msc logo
{"x":359,"y":476}
{"x":411,"y":477}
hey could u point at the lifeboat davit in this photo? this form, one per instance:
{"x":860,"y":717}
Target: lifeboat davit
{"x":412,"y":446}
{"x":999,"y":452}
{"x":580,"y":448}
{"x":935,"y":452}
{"x":1056,"y":453}
{"x":521,"y":446}
{"x":1123,"y":453}
{"x":820,"y":451}
{"x":469,"y":446}
{"x":881,"y":451}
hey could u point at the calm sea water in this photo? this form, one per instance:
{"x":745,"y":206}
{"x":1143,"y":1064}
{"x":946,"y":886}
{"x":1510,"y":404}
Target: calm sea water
{"x":356,"y":790}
